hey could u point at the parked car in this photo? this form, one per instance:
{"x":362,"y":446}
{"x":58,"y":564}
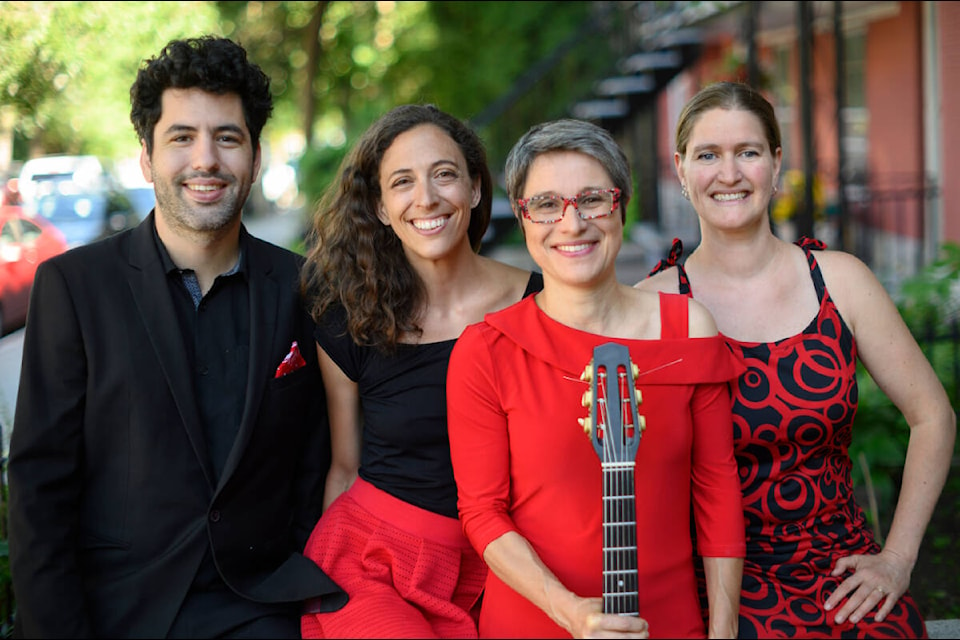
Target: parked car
{"x":25,"y":242}
{"x":142,"y":198}
{"x":78,"y":195}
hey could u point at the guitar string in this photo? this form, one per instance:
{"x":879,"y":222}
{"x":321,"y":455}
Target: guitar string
{"x":612,"y":564}
{"x":627,"y":416}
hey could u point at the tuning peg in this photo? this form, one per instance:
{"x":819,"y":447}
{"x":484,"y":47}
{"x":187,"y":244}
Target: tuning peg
{"x":586,"y":424}
{"x":587,"y":399}
{"x":643,"y":423}
{"x":587,"y":374}
{"x":635,"y":370}
{"x":638,"y":395}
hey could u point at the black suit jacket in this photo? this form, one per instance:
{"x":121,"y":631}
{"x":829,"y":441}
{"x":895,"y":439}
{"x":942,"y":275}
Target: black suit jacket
{"x":113,"y":499}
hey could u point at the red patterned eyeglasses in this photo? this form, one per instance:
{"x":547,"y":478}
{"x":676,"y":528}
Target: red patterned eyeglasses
{"x":547,"y":209}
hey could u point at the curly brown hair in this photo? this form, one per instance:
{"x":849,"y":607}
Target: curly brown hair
{"x":356,"y":261}
{"x":213,"y":64}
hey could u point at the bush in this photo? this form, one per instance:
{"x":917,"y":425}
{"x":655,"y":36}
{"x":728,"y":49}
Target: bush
{"x":929,"y":304}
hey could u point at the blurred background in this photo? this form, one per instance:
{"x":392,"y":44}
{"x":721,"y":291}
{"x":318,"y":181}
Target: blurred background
{"x":864,"y":92}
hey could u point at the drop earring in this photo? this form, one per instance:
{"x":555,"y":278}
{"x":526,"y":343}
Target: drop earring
{"x":684,"y":192}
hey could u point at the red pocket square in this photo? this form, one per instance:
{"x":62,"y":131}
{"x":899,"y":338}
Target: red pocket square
{"x":291,"y":362}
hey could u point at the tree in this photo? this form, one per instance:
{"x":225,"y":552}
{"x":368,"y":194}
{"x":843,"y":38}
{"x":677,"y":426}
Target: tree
{"x":334,"y":66}
{"x":522,"y":63}
{"x":68,"y":67}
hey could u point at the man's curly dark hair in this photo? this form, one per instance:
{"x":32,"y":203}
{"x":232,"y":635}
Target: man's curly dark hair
{"x":213,"y":64}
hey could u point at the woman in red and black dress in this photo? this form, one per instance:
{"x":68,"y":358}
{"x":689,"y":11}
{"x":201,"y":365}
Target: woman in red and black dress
{"x":801,"y":316}
{"x":530,"y":482}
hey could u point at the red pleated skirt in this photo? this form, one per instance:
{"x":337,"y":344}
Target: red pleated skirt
{"x":409,"y":572}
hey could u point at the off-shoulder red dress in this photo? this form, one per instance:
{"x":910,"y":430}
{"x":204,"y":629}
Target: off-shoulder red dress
{"x":522,"y":462}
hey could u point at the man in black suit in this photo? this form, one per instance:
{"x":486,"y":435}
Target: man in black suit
{"x":170,"y":443}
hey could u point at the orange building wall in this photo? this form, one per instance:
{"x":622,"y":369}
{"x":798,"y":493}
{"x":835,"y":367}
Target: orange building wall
{"x":823,"y":85}
{"x":948,"y":20}
{"x":894,"y":94}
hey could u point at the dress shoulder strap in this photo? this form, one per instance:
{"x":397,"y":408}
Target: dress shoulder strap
{"x":809,"y":245}
{"x":673,"y":260}
{"x":674,"y":316}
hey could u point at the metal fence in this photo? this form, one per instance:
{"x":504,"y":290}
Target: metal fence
{"x":887,"y":228}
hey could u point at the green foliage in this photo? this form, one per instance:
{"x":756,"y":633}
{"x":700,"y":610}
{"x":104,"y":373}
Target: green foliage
{"x":317,"y":169}
{"x":928,"y":303}
{"x":933,"y":296}
{"x":633,"y":213}
{"x":524,"y":63}
{"x":881,"y":434}
{"x":68,"y":66}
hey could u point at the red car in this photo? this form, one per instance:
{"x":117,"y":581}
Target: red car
{"x":25,"y":242}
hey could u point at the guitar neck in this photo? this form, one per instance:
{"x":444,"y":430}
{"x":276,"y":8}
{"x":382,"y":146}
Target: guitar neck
{"x":619,"y":539}
{"x":615,"y":427}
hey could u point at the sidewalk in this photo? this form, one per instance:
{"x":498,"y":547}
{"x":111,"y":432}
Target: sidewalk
{"x":943,"y":628}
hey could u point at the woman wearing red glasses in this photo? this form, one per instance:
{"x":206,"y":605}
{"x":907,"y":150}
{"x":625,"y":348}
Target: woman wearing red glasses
{"x":532,"y":485}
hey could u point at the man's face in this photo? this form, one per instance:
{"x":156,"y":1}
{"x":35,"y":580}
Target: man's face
{"x":203,"y":162}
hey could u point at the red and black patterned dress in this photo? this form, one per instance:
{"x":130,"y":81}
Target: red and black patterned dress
{"x":793,"y":417}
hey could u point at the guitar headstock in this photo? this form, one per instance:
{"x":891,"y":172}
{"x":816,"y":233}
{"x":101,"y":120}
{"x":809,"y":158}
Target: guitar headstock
{"x":614,"y":424}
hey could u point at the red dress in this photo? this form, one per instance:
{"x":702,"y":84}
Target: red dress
{"x":793,"y":418}
{"x":522,"y":462}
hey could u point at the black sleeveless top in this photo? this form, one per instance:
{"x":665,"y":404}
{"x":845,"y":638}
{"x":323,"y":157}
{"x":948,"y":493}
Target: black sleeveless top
{"x":403,"y":398}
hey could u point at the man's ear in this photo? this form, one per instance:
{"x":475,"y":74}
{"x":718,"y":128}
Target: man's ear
{"x":256,"y":163}
{"x":146,"y":166}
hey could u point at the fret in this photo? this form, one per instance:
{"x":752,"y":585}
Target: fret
{"x":618,"y":466}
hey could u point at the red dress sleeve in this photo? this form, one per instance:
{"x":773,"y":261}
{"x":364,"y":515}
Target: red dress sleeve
{"x":717,"y":500}
{"x":479,"y":446}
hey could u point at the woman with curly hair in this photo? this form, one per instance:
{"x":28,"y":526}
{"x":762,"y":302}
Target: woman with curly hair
{"x":393,"y":277}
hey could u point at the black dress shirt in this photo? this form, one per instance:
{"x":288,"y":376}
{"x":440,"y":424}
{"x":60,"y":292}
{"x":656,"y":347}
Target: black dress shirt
{"x":216,"y":330}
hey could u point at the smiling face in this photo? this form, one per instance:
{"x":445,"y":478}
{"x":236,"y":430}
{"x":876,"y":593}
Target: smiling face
{"x":203,"y":162}
{"x":572,"y":251}
{"x":729,"y":169}
{"x":427,"y":193}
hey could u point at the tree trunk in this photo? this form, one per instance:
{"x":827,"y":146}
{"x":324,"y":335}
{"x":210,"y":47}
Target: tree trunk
{"x":312,"y":46}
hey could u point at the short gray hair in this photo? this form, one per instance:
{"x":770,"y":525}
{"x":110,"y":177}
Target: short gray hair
{"x":568,"y":135}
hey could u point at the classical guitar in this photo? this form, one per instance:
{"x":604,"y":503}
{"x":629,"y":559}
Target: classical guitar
{"x":615,"y":427}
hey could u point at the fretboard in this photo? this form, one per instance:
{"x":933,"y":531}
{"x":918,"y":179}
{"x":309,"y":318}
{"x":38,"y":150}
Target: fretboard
{"x":619,"y":540}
